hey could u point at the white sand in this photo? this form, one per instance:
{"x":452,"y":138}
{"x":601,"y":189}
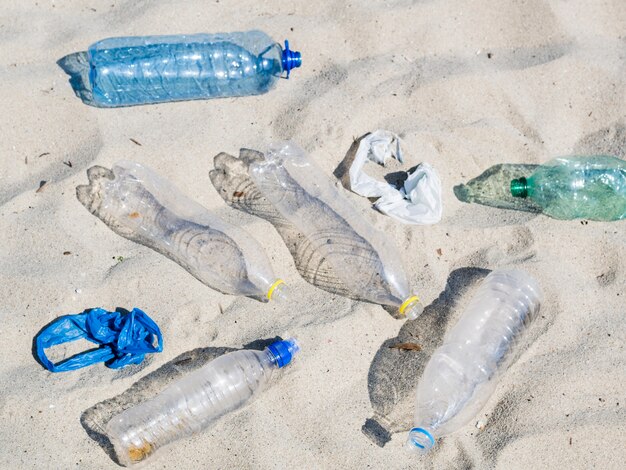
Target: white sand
{"x":467,"y":84}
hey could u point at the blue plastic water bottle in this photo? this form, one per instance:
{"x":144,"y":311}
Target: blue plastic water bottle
{"x":129,"y":71}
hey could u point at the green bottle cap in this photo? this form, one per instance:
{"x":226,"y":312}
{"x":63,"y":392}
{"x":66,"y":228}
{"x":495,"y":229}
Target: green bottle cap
{"x":519,"y":187}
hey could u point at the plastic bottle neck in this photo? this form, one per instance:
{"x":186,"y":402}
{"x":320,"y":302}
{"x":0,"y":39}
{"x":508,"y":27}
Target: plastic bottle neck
{"x":411,"y":307}
{"x":281,"y":353}
{"x":519,"y":187}
{"x":278,"y":291}
{"x":290,"y":59}
{"x":420,"y":440}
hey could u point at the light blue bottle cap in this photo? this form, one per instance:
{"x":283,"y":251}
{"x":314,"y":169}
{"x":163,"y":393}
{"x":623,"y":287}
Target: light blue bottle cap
{"x":291,"y":59}
{"x":421,"y":438}
{"x":281,"y":352}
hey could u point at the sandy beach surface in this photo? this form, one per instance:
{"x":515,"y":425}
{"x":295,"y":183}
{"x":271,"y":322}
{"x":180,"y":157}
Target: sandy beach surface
{"x":467,"y":85}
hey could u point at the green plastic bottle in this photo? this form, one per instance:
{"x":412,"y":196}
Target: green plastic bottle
{"x":590,"y":187}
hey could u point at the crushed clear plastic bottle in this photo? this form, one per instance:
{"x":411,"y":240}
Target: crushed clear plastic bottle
{"x":592,"y":187}
{"x":365,"y":261}
{"x":462,"y":373}
{"x":194,"y":402}
{"x":128,"y":71}
{"x":142,"y":206}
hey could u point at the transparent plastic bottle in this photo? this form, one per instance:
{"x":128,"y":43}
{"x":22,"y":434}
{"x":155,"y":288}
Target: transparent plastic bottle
{"x":139,"y":205}
{"x":462,"y":373}
{"x":592,"y":187}
{"x":129,"y":71}
{"x":194,"y":402}
{"x":366,"y":261}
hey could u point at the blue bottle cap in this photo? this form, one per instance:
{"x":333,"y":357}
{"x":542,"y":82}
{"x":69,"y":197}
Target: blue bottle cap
{"x":421,"y":438}
{"x":281,"y":352}
{"x":291,"y":59}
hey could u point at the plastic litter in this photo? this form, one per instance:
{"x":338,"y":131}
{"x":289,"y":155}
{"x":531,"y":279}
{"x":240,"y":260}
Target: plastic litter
{"x":138,"y":204}
{"x":418,"y":202}
{"x":462,"y":373}
{"x":584,"y":187}
{"x":592,"y":188}
{"x":493,"y":188}
{"x":194,"y":402}
{"x":123,"y":338}
{"x":128,"y":71}
{"x":363,"y":259}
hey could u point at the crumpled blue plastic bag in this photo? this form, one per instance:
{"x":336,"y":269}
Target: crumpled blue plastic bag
{"x":124,"y":338}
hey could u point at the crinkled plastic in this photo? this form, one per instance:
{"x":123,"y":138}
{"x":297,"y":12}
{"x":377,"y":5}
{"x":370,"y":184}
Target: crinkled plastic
{"x":137,"y":203}
{"x":362,"y":258}
{"x":124,"y":338}
{"x":418,"y":202}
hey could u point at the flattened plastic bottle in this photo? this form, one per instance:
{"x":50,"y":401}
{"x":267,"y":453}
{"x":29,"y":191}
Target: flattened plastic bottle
{"x":196,"y":401}
{"x":591,"y":188}
{"x":128,"y":71}
{"x":462,"y":373}
{"x":141,"y":206}
{"x":364,"y":260}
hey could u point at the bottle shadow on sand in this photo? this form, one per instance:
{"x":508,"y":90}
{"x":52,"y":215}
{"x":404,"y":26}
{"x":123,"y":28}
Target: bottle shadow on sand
{"x":394,"y":371}
{"x":76,"y":65}
{"x":95,"y":418}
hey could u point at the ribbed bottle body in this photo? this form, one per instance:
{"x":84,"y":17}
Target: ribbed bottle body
{"x":189,"y":405}
{"x":462,"y":373}
{"x":154,"y":69}
{"x":146,"y":206}
{"x":364,"y":259}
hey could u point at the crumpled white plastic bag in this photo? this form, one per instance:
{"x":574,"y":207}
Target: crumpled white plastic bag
{"x":418,"y":202}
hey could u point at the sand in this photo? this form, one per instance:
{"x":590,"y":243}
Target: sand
{"x":466,"y":84}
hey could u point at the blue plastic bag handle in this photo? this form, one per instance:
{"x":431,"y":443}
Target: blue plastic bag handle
{"x":124,"y":338}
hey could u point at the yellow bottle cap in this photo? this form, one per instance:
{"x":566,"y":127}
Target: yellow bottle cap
{"x":407,"y":302}
{"x":273,"y":287}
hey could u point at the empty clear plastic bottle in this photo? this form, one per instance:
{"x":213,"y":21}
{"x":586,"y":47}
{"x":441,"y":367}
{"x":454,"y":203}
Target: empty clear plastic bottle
{"x":462,"y":373}
{"x":365,"y":261}
{"x":138,"y":204}
{"x":194,"y":402}
{"x":591,"y":188}
{"x":128,"y":71}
